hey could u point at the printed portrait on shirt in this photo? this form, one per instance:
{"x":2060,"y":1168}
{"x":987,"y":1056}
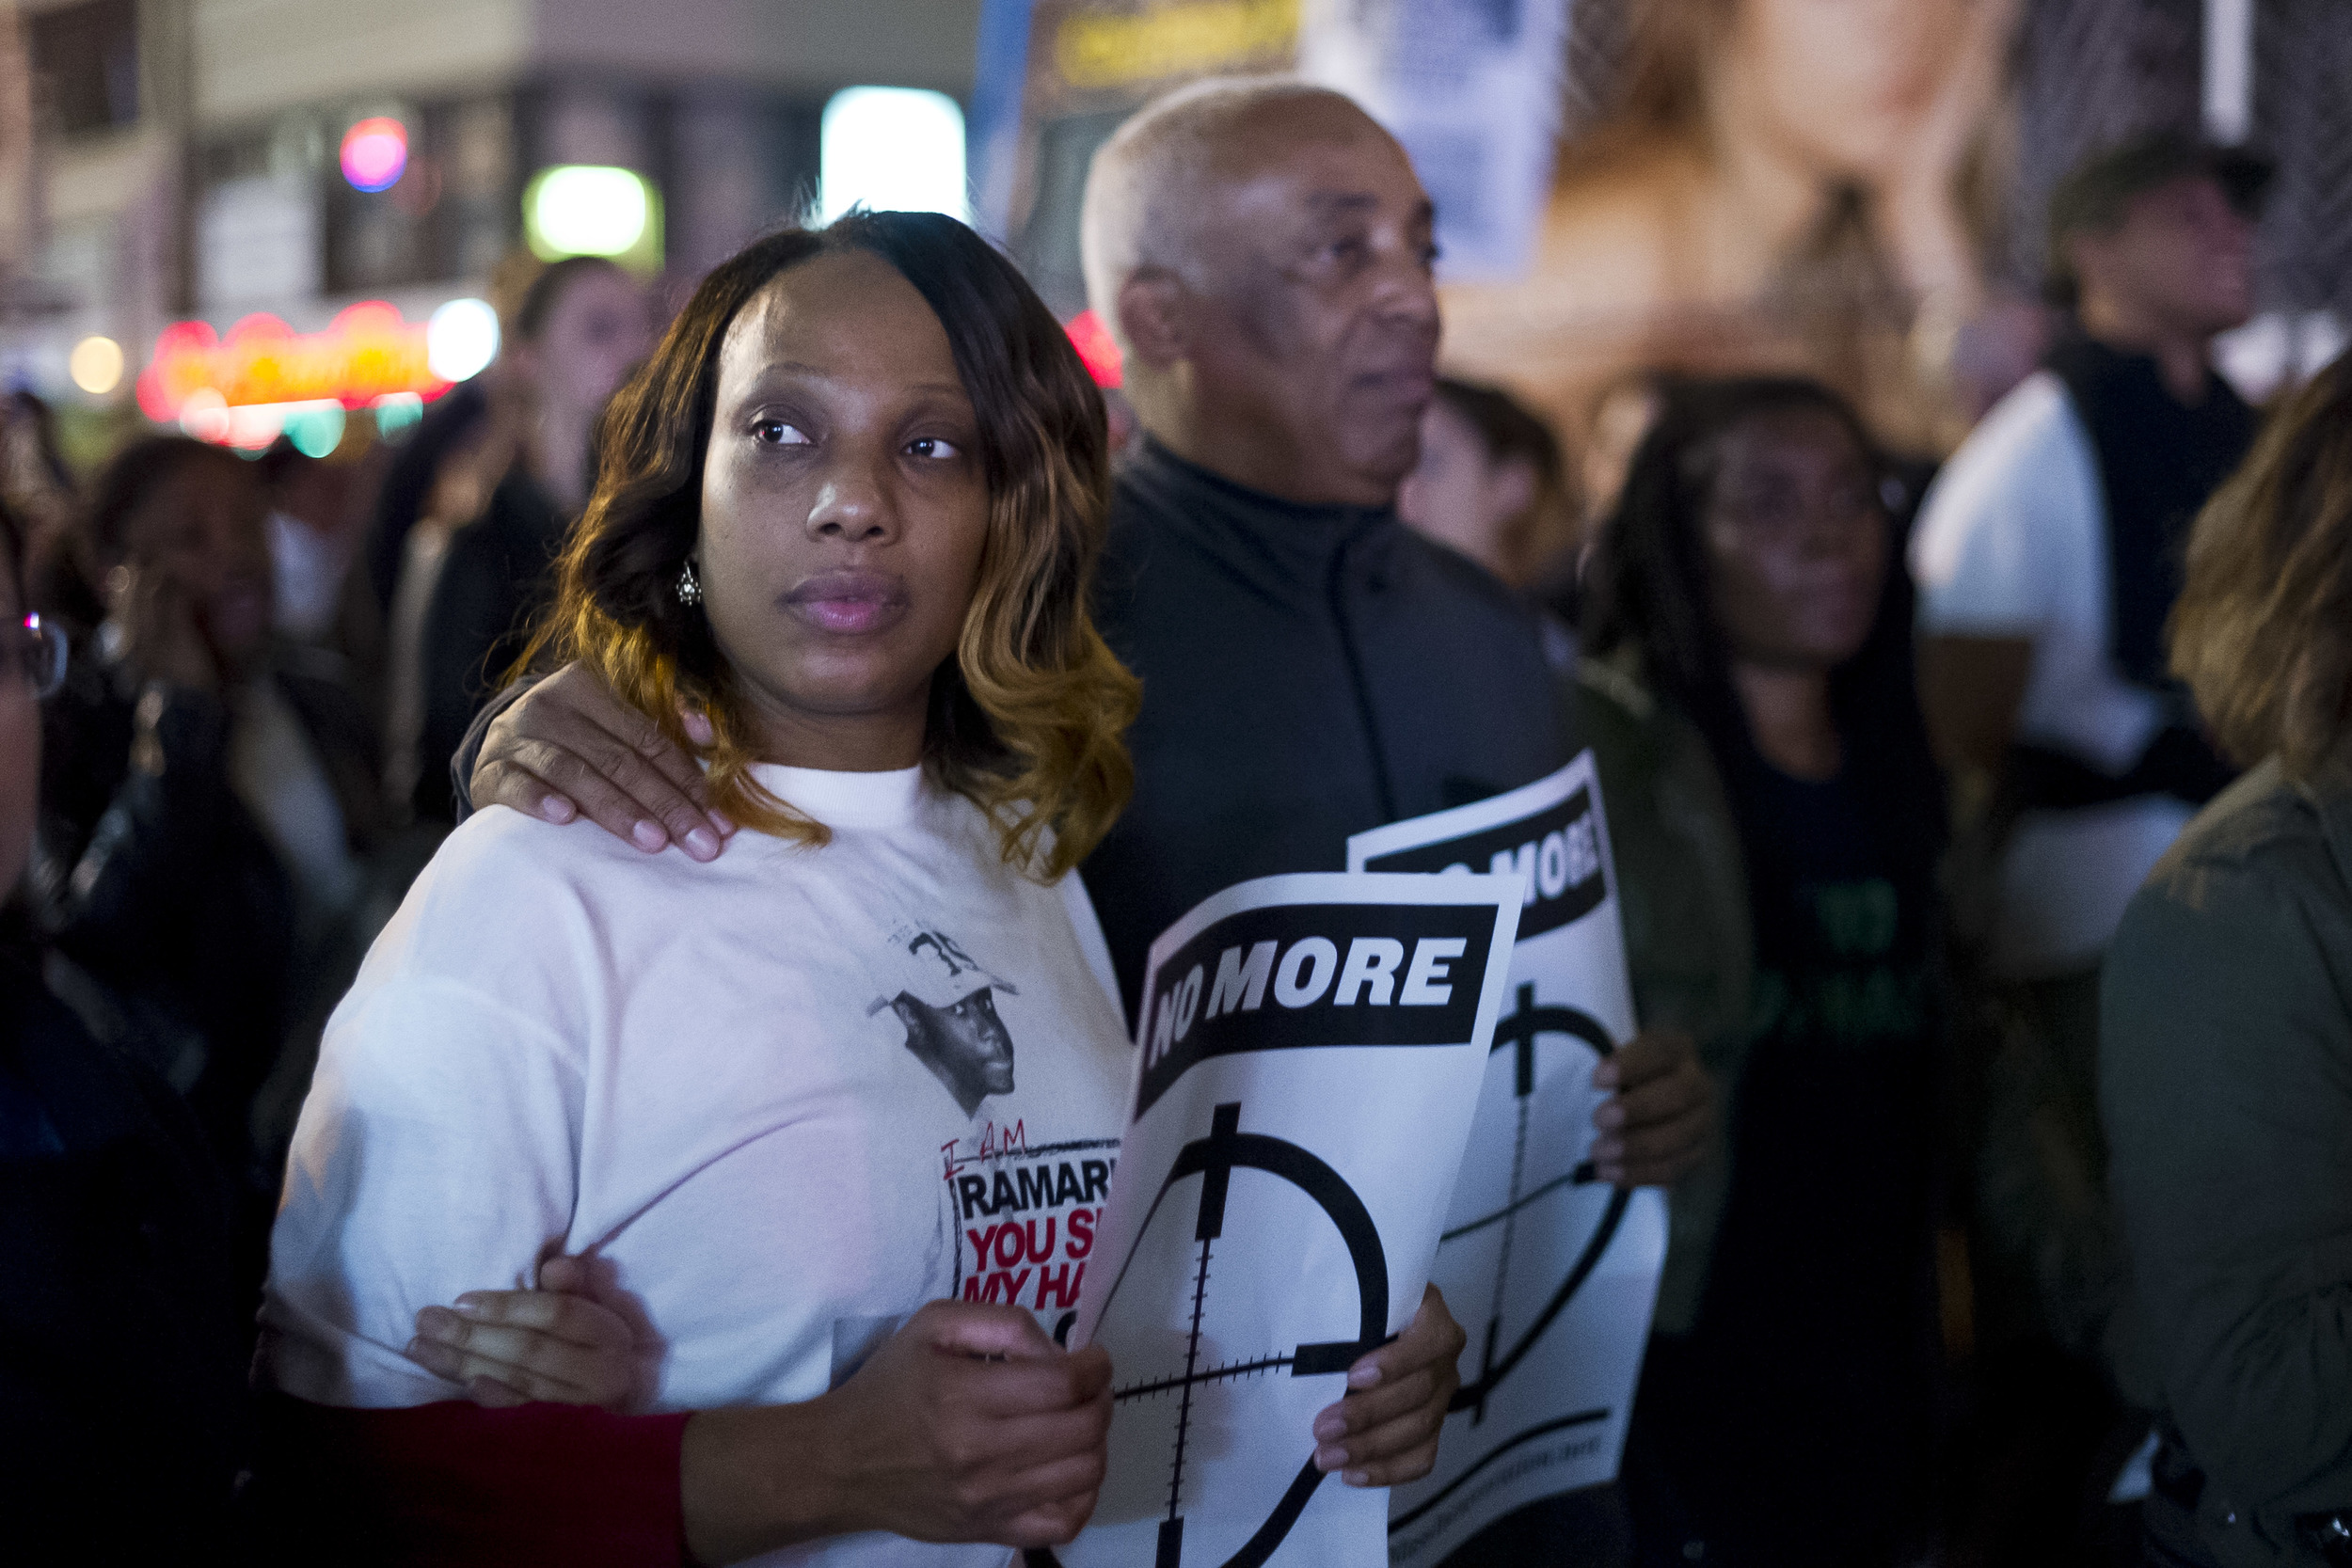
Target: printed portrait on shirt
{"x":947,"y":1004}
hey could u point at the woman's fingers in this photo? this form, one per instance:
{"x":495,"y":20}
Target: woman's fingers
{"x":574,"y":707}
{"x":984,"y":1330}
{"x":1401,"y":1450}
{"x":1658,"y":1157}
{"x":530,"y":1349}
{"x":1373,"y":1407}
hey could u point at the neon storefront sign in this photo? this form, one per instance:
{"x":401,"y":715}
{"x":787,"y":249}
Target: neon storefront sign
{"x":202,"y":378}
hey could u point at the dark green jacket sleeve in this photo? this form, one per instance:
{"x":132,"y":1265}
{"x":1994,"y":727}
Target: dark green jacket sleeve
{"x":2226,"y":1086}
{"x":1682,"y":894}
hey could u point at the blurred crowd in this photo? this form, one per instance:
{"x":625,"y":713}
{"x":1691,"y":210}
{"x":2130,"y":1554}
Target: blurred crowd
{"x":1890,"y":739}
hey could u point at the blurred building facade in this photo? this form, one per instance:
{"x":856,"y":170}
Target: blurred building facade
{"x":162,"y":160}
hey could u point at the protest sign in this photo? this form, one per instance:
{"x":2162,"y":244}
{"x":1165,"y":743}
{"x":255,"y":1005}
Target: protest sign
{"x":1551,"y":1272}
{"x":1310,"y":1056}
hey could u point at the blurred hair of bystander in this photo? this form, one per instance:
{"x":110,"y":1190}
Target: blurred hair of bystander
{"x":2263,"y":629}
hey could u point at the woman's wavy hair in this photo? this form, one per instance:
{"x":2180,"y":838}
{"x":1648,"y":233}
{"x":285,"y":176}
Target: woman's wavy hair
{"x":1027,"y":719}
{"x":2263,"y":631}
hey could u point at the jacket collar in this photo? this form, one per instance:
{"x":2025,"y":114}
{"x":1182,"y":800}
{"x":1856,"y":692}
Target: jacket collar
{"x":1233,"y":519}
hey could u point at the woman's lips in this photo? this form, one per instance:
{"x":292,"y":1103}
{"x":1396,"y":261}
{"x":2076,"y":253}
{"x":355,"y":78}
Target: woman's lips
{"x":849,"y":603}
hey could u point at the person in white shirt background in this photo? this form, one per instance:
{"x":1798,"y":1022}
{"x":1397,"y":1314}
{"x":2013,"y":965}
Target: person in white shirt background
{"x":783,"y":1106}
{"x":2047,"y":559}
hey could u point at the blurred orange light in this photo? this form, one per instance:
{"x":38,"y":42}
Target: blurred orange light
{"x":366,"y":352}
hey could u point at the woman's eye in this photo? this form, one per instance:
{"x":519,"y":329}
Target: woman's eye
{"x":934,"y":448}
{"x":775,"y":433}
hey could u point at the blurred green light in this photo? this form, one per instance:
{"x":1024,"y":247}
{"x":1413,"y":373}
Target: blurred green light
{"x":592,"y":209}
{"x":396,"y":412}
{"x":316,"y":428}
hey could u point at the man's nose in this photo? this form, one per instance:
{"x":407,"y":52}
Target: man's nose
{"x":1407,"y":295}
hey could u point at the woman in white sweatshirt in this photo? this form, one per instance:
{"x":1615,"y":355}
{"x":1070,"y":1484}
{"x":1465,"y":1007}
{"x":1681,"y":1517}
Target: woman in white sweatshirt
{"x":832,"y":1119}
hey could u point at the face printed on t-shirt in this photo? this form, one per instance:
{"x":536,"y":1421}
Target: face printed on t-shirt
{"x":946,"y":1001}
{"x":966,"y":1046}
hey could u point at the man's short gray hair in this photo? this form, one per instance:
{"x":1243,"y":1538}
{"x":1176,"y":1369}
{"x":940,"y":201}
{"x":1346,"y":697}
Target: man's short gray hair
{"x":1144,"y":195}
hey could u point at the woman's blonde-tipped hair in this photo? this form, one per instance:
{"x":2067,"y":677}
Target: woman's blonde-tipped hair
{"x":2263,"y":631}
{"x":1026,"y":720}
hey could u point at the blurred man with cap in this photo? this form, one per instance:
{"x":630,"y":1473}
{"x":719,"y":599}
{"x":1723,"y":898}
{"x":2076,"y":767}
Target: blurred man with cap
{"x":2046,"y":552}
{"x":2047,"y":557}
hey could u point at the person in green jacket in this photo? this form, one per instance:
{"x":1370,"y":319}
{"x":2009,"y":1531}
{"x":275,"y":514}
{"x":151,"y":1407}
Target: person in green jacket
{"x":2225,"y":1055}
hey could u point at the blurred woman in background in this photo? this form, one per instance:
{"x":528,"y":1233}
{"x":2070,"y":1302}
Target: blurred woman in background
{"x":440,"y":482}
{"x":1778,"y":818}
{"x":2225,"y":1053}
{"x":582,"y":327}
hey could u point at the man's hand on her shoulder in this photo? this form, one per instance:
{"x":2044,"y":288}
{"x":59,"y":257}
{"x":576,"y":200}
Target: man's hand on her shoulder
{"x":1655,"y":1128}
{"x":570,"y":748}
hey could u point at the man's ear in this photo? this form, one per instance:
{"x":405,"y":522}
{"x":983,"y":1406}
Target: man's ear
{"x":1153,"y":316}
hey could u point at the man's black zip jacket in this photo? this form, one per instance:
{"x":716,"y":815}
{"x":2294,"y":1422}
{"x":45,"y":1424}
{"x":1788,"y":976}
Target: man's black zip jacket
{"x":1309,"y":671}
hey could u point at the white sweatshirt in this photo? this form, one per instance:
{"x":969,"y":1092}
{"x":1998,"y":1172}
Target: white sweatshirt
{"x":786,"y":1097}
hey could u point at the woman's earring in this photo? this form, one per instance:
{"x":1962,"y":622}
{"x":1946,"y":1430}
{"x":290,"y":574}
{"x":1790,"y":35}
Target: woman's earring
{"x":690,"y":586}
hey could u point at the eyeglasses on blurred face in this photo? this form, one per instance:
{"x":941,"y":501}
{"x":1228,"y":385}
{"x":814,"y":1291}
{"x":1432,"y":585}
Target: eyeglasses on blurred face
{"x":35,"y":652}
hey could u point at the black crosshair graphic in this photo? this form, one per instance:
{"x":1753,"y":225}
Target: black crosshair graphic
{"x":1519,"y":1032}
{"x":1215,"y":1159}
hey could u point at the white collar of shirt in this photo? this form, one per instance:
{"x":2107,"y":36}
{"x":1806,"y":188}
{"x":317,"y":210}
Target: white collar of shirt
{"x":840,"y":799}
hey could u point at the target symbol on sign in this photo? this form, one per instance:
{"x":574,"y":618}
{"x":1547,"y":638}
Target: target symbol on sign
{"x":1518,"y":1033}
{"x":1211,"y":1161}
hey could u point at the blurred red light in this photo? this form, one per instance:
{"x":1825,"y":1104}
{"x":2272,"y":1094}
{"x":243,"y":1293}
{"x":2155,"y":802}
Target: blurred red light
{"x":1097,"y":349}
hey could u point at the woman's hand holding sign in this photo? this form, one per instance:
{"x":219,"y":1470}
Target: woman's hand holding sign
{"x":969,"y":1424}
